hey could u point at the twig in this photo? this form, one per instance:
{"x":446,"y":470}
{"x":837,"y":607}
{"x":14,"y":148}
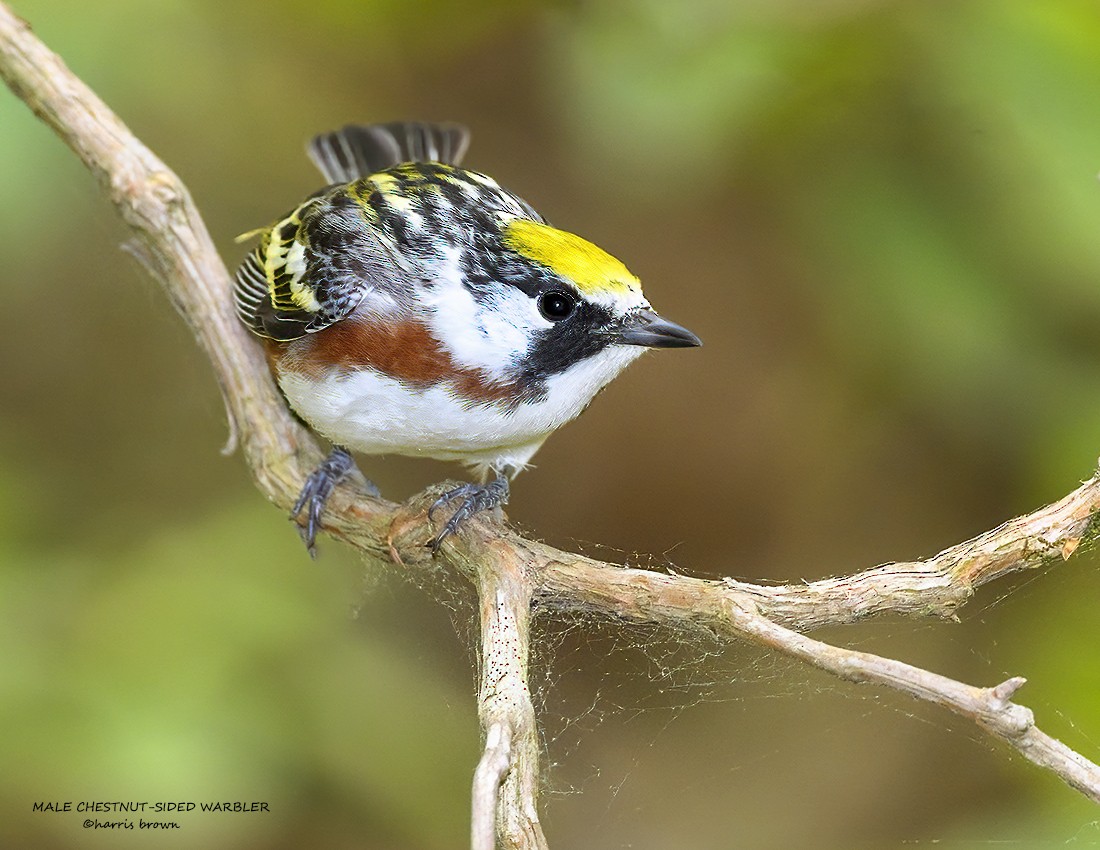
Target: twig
{"x":991,"y":708}
{"x":511,"y":571}
{"x":937,"y":586}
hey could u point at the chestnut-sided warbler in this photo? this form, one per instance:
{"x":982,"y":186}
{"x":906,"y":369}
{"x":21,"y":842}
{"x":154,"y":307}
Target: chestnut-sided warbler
{"x":414,"y":307}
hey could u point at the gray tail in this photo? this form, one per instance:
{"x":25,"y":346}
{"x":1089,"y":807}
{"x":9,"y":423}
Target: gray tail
{"x":357,"y":150}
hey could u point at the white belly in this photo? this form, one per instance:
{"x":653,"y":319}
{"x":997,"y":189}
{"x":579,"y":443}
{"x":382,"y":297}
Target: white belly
{"x":371,"y":413}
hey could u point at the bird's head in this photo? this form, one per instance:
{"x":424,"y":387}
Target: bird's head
{"x":543,"y":302}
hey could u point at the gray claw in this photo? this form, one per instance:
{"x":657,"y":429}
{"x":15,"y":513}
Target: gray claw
{"x":318,"y":487}
{"x":475,"y":498}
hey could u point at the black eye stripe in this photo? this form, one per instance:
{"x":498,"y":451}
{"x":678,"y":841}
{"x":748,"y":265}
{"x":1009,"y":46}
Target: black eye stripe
{"x":564,"y":343}
{"x":556,"y":305}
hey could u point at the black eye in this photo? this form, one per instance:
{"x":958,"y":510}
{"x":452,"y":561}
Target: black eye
{"x":556,"y":305}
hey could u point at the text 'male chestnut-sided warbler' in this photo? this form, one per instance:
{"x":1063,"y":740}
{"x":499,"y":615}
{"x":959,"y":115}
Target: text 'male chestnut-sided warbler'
{"x":414,"y":307}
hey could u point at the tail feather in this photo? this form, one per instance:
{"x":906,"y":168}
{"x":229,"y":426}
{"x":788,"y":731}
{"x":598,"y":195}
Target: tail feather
{"x":358,"y":151}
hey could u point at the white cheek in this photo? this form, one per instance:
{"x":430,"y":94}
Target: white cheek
{"x":492,"y":335}
{"x":511,"y":319}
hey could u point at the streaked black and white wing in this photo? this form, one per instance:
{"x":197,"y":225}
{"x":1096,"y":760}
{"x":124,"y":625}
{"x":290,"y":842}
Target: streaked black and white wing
{"x":313,"y":268}
{"x":316,"y":264}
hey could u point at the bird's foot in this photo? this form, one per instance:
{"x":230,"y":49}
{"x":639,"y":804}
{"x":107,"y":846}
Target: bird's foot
{"x":318,"y":487}
{"x":475,"y":498}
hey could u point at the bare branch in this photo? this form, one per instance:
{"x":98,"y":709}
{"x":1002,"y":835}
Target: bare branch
{"x":487,"y":778}
{"x":935,"y":587}
{"x":505,"y":707}
{"x":510,"y":571}
{"x":991,"y":708}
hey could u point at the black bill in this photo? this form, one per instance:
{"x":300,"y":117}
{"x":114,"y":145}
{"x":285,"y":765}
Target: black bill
{"x":648,"y":329}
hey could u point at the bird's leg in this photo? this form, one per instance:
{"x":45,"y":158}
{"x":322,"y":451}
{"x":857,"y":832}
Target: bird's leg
{"x":475,"y":498}
{"x":318,"y":487}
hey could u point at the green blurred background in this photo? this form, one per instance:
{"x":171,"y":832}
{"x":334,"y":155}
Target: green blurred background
{"x":882,"y":218}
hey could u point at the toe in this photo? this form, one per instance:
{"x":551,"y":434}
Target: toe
{"x":475,"y":498}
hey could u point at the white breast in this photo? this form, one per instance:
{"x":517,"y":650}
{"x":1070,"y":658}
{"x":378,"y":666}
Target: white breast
{"x":375,"y":414}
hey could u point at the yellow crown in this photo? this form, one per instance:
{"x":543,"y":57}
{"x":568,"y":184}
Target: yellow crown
{"x":591,"y":269}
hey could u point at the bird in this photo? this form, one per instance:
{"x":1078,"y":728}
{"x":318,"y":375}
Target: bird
{"x":415,"y":307}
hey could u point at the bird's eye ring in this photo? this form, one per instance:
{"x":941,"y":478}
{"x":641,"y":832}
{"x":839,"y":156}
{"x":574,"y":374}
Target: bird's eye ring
{"x":556,"y":305}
